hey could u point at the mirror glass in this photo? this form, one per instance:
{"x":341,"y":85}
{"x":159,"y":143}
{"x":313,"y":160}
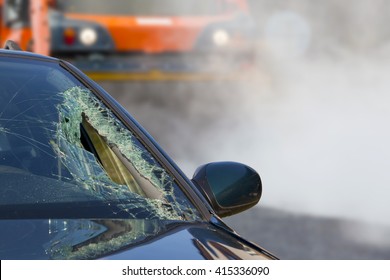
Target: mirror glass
{"x":233,"y":184}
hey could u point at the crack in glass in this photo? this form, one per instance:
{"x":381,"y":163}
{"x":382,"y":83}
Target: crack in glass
{"x":58,"y":142}
{"x":84,"y":167}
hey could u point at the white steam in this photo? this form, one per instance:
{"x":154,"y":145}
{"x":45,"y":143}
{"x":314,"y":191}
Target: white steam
{"x":314,"y":123}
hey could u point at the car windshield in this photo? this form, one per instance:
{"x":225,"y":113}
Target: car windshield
{"x":70,"y":168}
{"x":64,"y":154}
{"x":144,"y":7}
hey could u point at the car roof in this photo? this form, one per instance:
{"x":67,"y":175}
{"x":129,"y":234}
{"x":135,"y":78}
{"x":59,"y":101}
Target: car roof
{"x":26,"y":55}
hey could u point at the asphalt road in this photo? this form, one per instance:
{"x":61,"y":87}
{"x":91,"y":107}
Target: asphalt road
{"x":304,"y":237}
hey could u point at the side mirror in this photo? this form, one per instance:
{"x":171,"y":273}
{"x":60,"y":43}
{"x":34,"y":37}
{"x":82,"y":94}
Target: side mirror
{"x":230,"y":187}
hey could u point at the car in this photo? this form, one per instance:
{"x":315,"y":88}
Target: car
{"x":81,"y":179}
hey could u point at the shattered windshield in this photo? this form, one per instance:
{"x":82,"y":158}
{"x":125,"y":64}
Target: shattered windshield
{"x":65,"y":155}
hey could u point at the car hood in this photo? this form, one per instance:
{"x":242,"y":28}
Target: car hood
{"x":121,"y":239}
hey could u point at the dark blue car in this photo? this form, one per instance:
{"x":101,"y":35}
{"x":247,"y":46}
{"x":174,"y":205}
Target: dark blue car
{"x":80,"y":179}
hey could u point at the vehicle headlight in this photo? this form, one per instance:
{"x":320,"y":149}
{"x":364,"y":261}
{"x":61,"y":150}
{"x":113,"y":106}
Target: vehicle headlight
{"x":221,"y":37}
{"x":88,"y":36}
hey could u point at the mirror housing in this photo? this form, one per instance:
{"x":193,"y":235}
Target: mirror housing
{"x":230,"y":187}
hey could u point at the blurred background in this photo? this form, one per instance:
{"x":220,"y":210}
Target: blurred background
{"x":299,"y":90}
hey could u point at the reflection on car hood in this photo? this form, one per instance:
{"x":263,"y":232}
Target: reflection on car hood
{"x":120,"y":239}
